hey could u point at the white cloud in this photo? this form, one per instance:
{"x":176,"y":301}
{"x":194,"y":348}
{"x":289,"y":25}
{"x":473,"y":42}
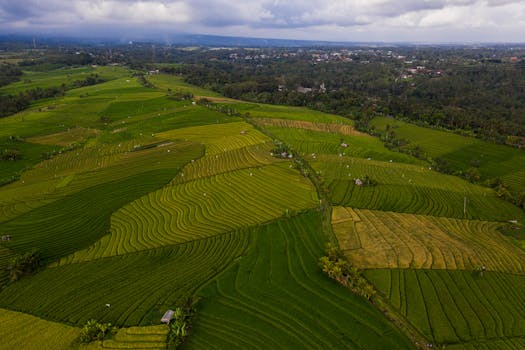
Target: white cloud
{"x":330,"y":20}
{"x":136,"y":12}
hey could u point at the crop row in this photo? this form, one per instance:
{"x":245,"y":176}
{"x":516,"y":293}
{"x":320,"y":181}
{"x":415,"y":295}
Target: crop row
{"x":376,"y":239}
{"x":456,"y":306}
{"x":342,"y":129}
{"x":423,"y":200}
{"x":41,"y":186}
{"x":147,"y":337}
{"x":307,"y":142}
{"x":241,"y":158}
{"x":22,"y":331}
{"x":65,"y":138}
{"x":516,"y":343}
{"x":202,"y":208}
{"x":138,"y":287}
{"x":461,"y":152}
{"x":260,"y":110}
{"x":277,"y":297}
{"x":78,"y":220}
{"x":218,"y":138}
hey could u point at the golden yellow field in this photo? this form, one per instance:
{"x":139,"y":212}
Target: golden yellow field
{"x":376,"y":239}
{"x":343,"y":129}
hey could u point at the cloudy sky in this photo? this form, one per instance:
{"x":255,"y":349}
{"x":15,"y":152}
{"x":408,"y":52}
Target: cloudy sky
{"x":338,"y":20}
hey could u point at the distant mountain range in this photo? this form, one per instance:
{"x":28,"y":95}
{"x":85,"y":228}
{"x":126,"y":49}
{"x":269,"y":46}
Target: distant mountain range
{"x":203,"y":40}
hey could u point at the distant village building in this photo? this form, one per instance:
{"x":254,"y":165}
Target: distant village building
{"x":345,"y":145}
{"x":303,"y":90}
{"x":359,"y":182}
{"x":6,"y":238}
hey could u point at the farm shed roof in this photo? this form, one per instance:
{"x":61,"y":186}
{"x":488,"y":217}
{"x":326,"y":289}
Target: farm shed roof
{"x":168,"y":315}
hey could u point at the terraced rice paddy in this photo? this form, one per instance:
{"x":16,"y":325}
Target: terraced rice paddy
{"x":29,"y":154}
{"x":57,"y":77}
{"x":21,"y":331}
{"x":343,"y":129}
{"x":410,"y":189}
{"x":312,"y":143}
{"x":376,"y":239}
{"x":79,"y":169}
{"x":177,"y":84}
{"x":137,"y":338}
{"x":161,"y":199}
{"x":202,"y":208}
{"x":65,"y":138}
{"x":500,"y":344}
{"x":67,"y":224}
{"x":247,"y":157}
{"x":287,"y":112}
{"x":218,"y":138}
{"x":460,"y":151}
{"x":139,"y":287}
{"x":456,"y":306}
{"x":277,"y":297}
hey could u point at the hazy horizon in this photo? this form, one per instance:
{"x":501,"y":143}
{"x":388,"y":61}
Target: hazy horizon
{"x":428,"y":21}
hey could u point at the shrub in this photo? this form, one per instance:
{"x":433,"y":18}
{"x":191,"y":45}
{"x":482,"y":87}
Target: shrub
{"x":93,"y":330}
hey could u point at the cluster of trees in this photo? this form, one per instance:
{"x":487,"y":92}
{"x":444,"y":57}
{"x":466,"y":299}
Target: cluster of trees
{"x":10,"y":154}
{"x":483,"y":99}
{"x":9,"y":73}
{"x":337,"y":267}
{"x":143,"y":81}
{"x":502,"y":191}
{"x":181,"y":324}
{"x":24,"y":264}
{"x":94,"y":330}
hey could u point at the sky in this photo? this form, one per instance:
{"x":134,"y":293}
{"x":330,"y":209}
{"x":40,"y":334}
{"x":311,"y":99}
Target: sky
{"x":443,"y":21}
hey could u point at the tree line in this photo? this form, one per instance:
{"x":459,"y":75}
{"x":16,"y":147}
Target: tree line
{"x":484,"y":99}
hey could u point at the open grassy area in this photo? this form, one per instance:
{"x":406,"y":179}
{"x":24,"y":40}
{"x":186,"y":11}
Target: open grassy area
{"x":461,"y":152}
{"x":456,"y":306}
{"x":376,"y":239}
{"x":277,"y":297}
{"x":22,"y":331}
